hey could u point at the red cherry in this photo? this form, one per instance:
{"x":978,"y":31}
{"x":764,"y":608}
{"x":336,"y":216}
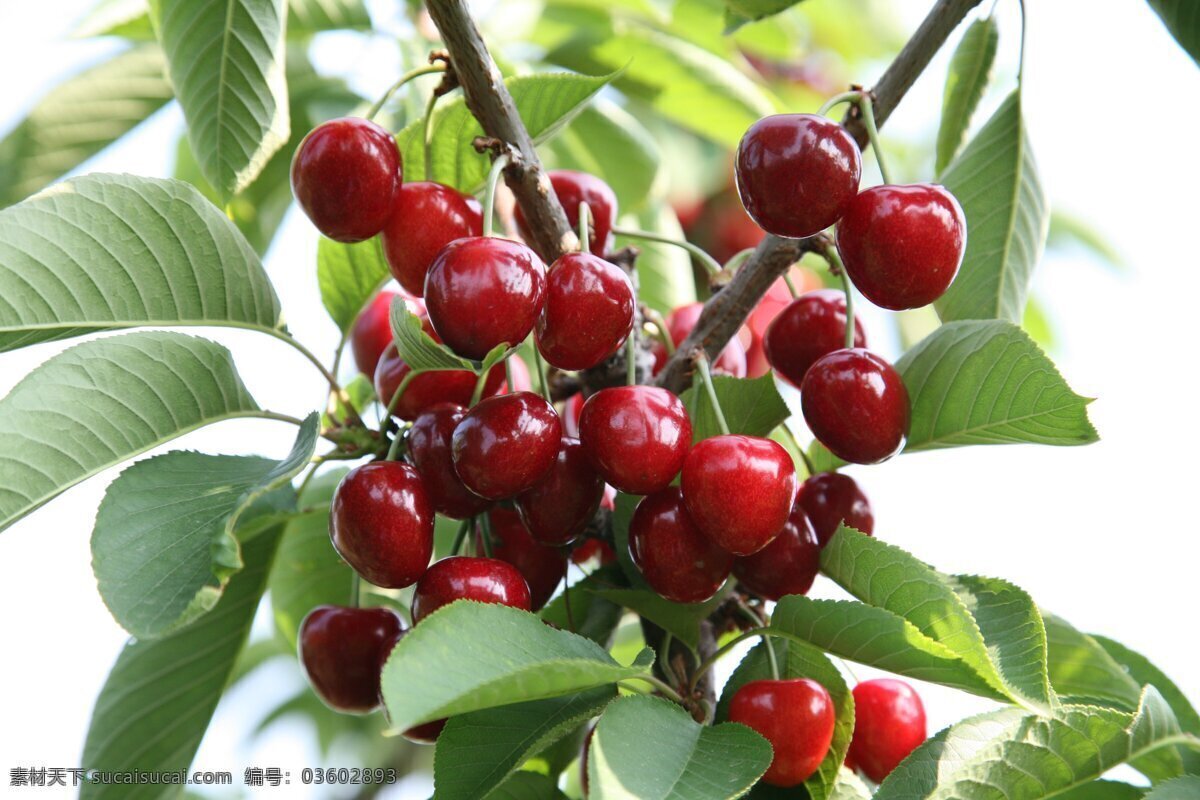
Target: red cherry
{"x":739,"y":491}
{"x":342,"y":649}
{"x":428,"y":388}
{"x":558,"y":508}
{"x":903,"y":245}
{"x":542,"y":567}
{"x":788,"y":565}
{"x":381,"y":523}
{"x":636,"y":436}
{"x":486,"y":580}
{"x":572,"y":411}
{"x":426,"y":217}
{"x":482,"y":292}
{"x":505,"y":444}
{"x":371,"y":332}
{"x":797,"y":173}
{"x":889,"y":723}
{"x":731,"y":361}
{"x":572,"y":189}
{"x":429,"y":451}
{"x":796,"y":716}
{"x":832,"y":498}
{"x":856,"y":404}
{"x":777,"y":298}
{"x":427,"y":733}
{"x":813,"y":325}
{"x":345,"y":175}
{"x":588,"y":311}
{"x":675,"y":558}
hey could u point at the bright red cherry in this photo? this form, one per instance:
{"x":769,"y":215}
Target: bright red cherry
{"x":371,"y":332}
{"x":542,"y":567}
{"x":428,"y":388}
{"x":426,"y":217}
{"x":856,"y":404}
{"x":796,"y":716}
{"x":675,"y":558}
{"x":342,"y":649}
{"x":429,"y":451}
{"x":889,"y":723}
{"x":506,"y":444}
{"x":381,"y":523}
{"x":558,"y":508}
{"x":588,"y":311}
{"x":572,"y":189}
{"x":797,"y":173}
{"x":636,"y":436}
{"x":788,"y":565}
{"x":813,"y":325}
{"x":484,"y":291}
{"x":680,"y":321}
{"x":345,"y":175}
{"x":739,"y":491}
{"x":485,"y":580}
{"x":832,"y":498}
{"x":903,"y":245}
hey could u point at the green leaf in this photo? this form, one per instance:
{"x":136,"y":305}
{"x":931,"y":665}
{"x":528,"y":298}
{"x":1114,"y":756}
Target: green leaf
{"x":527,"y":786}
{"x":313,"y":16}
{"x":225,"y":59}
{"x":970,"y":72}
{"x":607,"y":141}
{"x":649,"y":748}
{"x":739,"y":12}
{"x":104,"y":401}
{"x":1082,"y":672}
{"x":117,"y":251}
{"x":423,"y":354}
{"x":349,"y":275}
{"x":1182,"y":19}
{"x":128,"y":18}
{"x":1103,"y":790}
{"x":682,"y":620}
{"x":987,"y":382}
{"x":125,"y":18}
{"x":1067,"y":229}
{"x":752,"y":406}
{"x":476,"y":752}
{"x":1185,"y":788}
{"x":470,"y":656}
{"x":161,"y":694}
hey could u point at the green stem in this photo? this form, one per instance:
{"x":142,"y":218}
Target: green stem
{"x":460,"y":537}
{"x":275,"y":415}
{"x":485,"y":536}
{"x":708,"y":663}
{"x":663,"y":335}
{"x":396,"y":395}
{"x":567,"y":596}
{"x":659,"y":685}
{"x":585,"y":228}
{"x":334,"y":386}
{"x":791,"y":437}
{"x":1021,"y":56}
{"x":835,"y":263}
{"x":708,"y":262}
{"x":543,"y":376}
{"x":393,"y":452}
{"x":758,"y":621}
{"x":489,"y":195}
{"x":867,"y":107}
{"x":395,"y":87}
{"x":355,"y":589}
{"x":480,"y":382}
{"x":706,"y":377}
{"x":838,"y":99}
{"x":664,"y":659}
{"x":427,"y":135}
{"x":308,"y":476}
{"x":787,"y":280}
{"x":631,"y":342}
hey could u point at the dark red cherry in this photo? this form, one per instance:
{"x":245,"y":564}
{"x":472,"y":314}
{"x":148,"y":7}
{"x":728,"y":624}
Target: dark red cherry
{"x":889,"y":723}
{"x":636,"y":436}
{"x":371,"y":332}
{"x":427,"y":733}
{"x":831,"y":498}
{"x":796,"y":716}
{"x":572,"y":189}
{"x":675,"y":558}
{"x":506,"y":444}
{"x":813,"y":325}
{"x":542,"y":567}
{"x":558,"y":508}
{"x":429,"y":451}
{"x":426,"y":217}
{"x":485,"y":580}
{"x":732,"y":359}
{"x":788,"y":565}
{"x":856,"y":404}
{"x":342,"y":650}
{"x":797,"y":173}
{"x":739,"y":491}
{"x":777,"y":298}
{"x":381,"y":523}
{"x":482,"y":292}
{"x":903,"y":245}
{"x":345,"y":175}
{"x":588,"y":311}
{"x":428,"y":388}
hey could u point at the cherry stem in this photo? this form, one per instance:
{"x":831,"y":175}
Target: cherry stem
{"x":479,"y":384}
{"x":739,"y":258}
{"x":724,"y":649}
{"x":585,"y":228}
{"x":543,"y":376}
{"x":485,"y":535}
{"x":330,"y":378}
{"x":758,"y":621}
{"x":660,"y":685}
{"x":631,"y":343}
{"x":395,"y":399}
{"x":275,"y":415}
{"x":787,"y":280}
{"x":867,"y":106}
{"x":427,"y":135}
{"x":664,"y":659}
{"x":460,"y":537}
{"x":838,"y":268}
{"x":355,"y":589}
{"x":706,"y":377}
{"x":837,"y":100}
{"x":489,"y":195}
{"x":708,"y":262}
{"x":660,"y":327}
{"x":567,"y":596}
{"x":395,"y":87}
{"x":791,"y":437}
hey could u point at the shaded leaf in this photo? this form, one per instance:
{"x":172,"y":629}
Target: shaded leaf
{"x":1081,"y":671}
{"x":1182,"y":19}
{"x":682,"y":620}
{"x":349,"y":275}
{"x":527,"y":786}
{"x":591,"y":615}
{"x":970,"y":72}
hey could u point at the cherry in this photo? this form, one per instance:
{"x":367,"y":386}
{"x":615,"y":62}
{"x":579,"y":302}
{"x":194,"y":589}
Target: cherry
{"x":755,"y":476}
{"x":371,"y":332}
{"x":572,"y":411}
{"x":572,"y":189}
{"x":797,"y":173}
{"x":381,"y":523}
{"x":427,"y":733}
{"x":429,"y":451}
{"x":813,"y":325}
{"x":484,"y":291}
{"x":345,"y":175}
{"x":680,"y":321}
{"x":542,"y":567}
{"x":505,"y":444}
{"x":636,"y":436}
{"x":485,"y":580}
{"x":856,"y":405}
{"x":831,"y":498}
{"x":889,"y":723}
{"x":428,"y":388}
{"x":903,"y":245}
{"x":796,"y":716}
{"x":777,"y":298}
{"x":426,"y":217}
{"x":342,"y":650}
{"x":788,"y":565}
{"x":588,"y":311}
{"x":675,"y":558}
{"x":558,"y":508}
{"x":593,"y":548}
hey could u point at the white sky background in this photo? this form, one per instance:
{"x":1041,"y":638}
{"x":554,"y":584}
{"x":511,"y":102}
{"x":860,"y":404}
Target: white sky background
{"x":1102,"y":535}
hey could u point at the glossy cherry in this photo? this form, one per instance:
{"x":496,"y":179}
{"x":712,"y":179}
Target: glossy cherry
{"x":346,"y":175}
{"x":428,"y":388}
{"x":796,"y":716}
{"x":889,"y":723}
{"x":381,"y":523}
{"x":831,"y":498}
{"x":856,"y":404}
{"x":903,"y":245}
{"x":482,"y":292}
{"x":587,"y":314}
{"x":676,"y":559}
{"x":485,"y":580}
{"x":739,"y":491}
{"x":812,"y":325}
{"x":636,"y":436}
{"x":342,"y":650}
{"x":429,"y":451}
{"x":788,"y":565}
{"x":542,"y":567}
{"x":572,"y":189}
{"x":797,"y":173}
{"x":558,"y":508}
{"x":506,"y":444}
{"x":426,"y":217}
{"x":371,"y":332}
{"x":777,"y":298}
{"x":680,"y":321}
